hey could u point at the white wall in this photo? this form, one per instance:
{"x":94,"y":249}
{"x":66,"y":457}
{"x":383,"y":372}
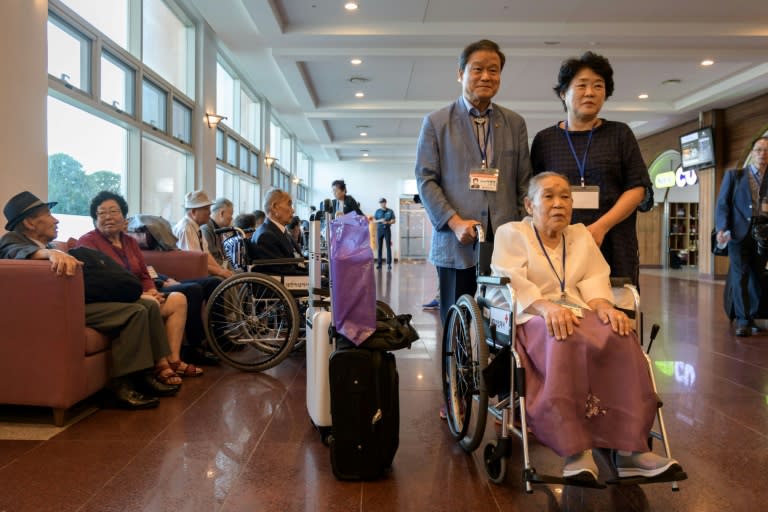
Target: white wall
{"x":23,"y":100}
{"x":367,"y":182}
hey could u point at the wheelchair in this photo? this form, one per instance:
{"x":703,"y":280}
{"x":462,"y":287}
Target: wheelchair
{"x":256,"y":319}
{"x":476,"y":331}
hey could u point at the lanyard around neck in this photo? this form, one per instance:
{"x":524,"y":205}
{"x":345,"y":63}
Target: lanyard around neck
{"x":482,"y":122}
{"x":551,"y":265}
{"x":581,"y":164}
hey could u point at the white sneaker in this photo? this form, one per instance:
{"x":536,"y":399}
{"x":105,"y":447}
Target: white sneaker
{"x":580,"y":467}
{"x":646,"y":464}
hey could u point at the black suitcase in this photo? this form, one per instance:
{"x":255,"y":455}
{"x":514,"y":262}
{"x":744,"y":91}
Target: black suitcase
{"x":365,"y":413}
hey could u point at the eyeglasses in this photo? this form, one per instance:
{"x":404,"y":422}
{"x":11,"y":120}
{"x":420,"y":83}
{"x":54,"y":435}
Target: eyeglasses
{"x":108,"y":213}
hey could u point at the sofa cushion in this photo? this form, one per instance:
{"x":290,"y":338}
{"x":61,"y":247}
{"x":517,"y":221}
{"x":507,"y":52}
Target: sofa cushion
{"x":95,"y":341}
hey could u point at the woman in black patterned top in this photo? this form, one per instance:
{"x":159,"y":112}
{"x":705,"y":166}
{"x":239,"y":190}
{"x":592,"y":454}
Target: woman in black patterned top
{"x":601,"y":159}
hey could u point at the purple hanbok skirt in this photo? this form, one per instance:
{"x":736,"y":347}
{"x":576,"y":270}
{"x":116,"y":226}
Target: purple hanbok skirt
{"x":591,"y":390}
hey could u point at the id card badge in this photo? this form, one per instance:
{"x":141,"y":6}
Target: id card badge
{"x":576,"y":310}
{"x":152,"y":272}
{"x":484,"y":179}
{"x":586,"y":198}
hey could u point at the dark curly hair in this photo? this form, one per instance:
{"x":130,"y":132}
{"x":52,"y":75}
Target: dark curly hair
{"x":106,"y":195}
{"x":483,"y":44}
{"x":571,"y":67}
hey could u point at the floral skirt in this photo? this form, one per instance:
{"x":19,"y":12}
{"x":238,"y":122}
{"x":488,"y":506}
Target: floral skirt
{"x":591,"y":390}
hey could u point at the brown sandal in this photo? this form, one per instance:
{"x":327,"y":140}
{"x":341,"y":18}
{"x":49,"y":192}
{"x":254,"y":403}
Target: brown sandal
{"x":167,"y":375}
{"x":187,"y":370}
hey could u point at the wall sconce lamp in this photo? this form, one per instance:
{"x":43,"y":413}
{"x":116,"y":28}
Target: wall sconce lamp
{"x":213,"y":119}
{"x":270,"y":161}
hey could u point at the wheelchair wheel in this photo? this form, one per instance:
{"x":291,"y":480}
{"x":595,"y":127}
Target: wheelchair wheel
{"x":495,"y":469}
{"x":465,"y":356}
{"x":253,"y":322}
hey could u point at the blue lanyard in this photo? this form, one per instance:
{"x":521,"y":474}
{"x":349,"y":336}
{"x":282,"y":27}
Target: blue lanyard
{"x":551,"y":265}
{"x":581,"y":164}
{"x":486,"y":137}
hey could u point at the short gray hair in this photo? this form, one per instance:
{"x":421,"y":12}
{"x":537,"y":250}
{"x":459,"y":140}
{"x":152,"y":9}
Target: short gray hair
{"x":272,"y":196}
{"x":221,"y":203}
{"x":534,"y":186}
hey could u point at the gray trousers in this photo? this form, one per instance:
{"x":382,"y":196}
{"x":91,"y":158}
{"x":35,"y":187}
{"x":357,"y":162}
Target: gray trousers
{"x":140,"y":337}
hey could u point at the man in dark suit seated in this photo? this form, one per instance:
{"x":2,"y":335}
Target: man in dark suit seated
{"x":272,"y":240}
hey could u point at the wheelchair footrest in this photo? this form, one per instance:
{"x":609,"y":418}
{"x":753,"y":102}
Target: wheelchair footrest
{"x":674,"y":474}
{"x":530,"y":475}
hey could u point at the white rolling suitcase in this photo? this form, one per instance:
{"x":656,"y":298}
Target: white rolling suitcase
{"x":319,"y":349}
{"x":319,"y":344}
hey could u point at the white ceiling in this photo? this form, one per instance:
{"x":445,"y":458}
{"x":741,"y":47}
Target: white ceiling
{"x":297,"y":54}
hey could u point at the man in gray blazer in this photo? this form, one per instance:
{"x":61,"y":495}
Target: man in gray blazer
{"x":470,"y":142}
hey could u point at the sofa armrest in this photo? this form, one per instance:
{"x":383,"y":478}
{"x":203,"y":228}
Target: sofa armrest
{"x":42,"y":335}
{"x":179,"y":265}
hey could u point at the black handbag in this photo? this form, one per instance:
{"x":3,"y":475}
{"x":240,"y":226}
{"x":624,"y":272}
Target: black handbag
{"x":104,"y":279}
{"x":717,"y":251}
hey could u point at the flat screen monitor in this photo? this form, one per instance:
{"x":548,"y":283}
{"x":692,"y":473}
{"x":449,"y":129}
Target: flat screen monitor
{"x":697,"y":149}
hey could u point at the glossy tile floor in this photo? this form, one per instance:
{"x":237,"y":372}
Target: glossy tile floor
{"x":233,"y":441}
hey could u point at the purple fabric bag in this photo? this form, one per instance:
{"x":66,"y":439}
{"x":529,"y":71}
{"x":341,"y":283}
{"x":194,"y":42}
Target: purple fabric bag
{"x":353,"y":293}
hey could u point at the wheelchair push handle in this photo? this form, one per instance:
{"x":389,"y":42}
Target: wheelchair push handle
{"x":480,"y":233}
{"x":233,"y":229}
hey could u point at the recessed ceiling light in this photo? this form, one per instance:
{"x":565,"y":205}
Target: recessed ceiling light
{"x":356,"y":62}
{"x":365,"y":154}
{"x":707,"y":62}
{"x":642,"y":96}
{"x":350,"y":6}
{"x":359,"y":94}
{"x":363,"y":134}
{"x":671,"y":81}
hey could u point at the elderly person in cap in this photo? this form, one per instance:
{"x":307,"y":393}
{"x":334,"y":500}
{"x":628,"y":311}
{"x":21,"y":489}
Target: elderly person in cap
{"x":222,"y":211}
{"x":108,"y":211}
{"x":139,"y":338}
{"x":190,"y":236}
{"x":384,"y":218}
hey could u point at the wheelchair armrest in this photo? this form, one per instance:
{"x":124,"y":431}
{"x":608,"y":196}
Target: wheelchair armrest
{"x":492,"y":280}
{"x":277,"y":261}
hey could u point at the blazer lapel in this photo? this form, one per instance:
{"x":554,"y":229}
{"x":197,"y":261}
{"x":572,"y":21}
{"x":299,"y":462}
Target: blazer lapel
{"x":499,"y":144}
{"x":467,"y":133}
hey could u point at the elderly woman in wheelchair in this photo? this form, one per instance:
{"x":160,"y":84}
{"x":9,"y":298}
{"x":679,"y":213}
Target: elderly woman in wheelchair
{"x":586,"y":380}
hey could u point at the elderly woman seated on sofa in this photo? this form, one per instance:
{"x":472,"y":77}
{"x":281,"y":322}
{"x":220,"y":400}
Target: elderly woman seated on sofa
{"x":109,"y":211}
{"x":587,"y":378}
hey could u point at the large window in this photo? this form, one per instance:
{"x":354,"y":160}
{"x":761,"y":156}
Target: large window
{"x":250,"y":119}
{"x":117,"y":83}
{"x":109,"y":17}
{"x":68,"y":55}
{"x":164,"y":180}
{"x":225,"y":95}
{"x":243,"y":192}
{"x":102,"y":139}
{"x":86,"y":155}
{"x":168,"y":45}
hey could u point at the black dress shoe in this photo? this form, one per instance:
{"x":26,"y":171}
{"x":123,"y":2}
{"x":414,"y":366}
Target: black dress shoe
{"x":124,"y":396}
{"x":150,"y":386}
{"x":200,"y":356}
{"x":743,"y":331}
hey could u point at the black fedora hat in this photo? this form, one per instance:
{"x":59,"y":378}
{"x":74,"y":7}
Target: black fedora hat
{"x":20,"y":206}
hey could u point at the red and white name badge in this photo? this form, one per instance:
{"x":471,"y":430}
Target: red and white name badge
{"x":484,"y":179}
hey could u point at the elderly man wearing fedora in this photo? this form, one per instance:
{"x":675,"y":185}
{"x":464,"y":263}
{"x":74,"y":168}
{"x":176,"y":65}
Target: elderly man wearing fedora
{"x":140,"y":338}
{"x":188,"y":230}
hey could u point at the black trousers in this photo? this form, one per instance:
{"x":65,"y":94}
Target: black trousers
{"x":381,"y":237}
{"x":453,"y":284}
{"x":744,"y":272}
{"x":197,"y":292}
